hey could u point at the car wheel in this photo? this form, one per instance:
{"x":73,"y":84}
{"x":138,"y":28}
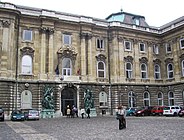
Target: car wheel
{"x":143,"y":114}
{"x":175,"y":114}
{"x":160,"y":114}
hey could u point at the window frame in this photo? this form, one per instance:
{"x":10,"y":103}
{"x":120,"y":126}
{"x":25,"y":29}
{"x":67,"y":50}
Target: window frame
{"x":146,"y":99}
{"x":67,"y":71}
{"x":102,"y":99}
{"x":155,"y":49}
{"x":100,"y":43}
{"x":130,"y":45}
{"x":144,"y":47}
{"x":160,"y":99}
{"x":26,"y":65}
{"x":101,"y":70}
{"x":182,"y":67}
{"x":170,"y":71}
{"x":27,"y":35}
{"x":69,"y":42}
{"x":168,"y":45}
{"x":171,"y":100}
{"x":129,"y":72}
{"x":131,"y":99}
{"x":144,"y":71}
{"x":157,"y":72}
{"x":182,"y":43}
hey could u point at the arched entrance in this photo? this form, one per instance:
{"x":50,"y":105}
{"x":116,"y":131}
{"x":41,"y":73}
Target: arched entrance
{"x":68,"y":97}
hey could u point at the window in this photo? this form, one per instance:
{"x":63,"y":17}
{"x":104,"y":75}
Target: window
{"x":155,"y":49}
{"x":27,"y":35}
{"x":66,"y":39}
{"x":131,"y":99}
{"x":100,"y":44}
{"x":127,"y":45}
{"x":160,"y":99}
{"x":137,"y":21}
{"x":168,"y":47}
{"x":157,"y":71}
{"x":66,"y":67}
{"x":171,"y":98}
{"x":143,"y":71}
{"x":103,"y":99}
{"x":128,"y":70}
{"x":182,"y":65}
{"x":142,"y":47}
{"x":146,"y":99}
{"x":101,"y":69}
{"x":182,"y":43}
{"x":26,"y":64}
{"x":170,"y":72}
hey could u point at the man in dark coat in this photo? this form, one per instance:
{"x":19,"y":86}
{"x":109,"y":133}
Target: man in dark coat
{"x":88,"y":112}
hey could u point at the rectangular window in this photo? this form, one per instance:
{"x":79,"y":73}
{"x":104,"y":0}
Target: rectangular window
{"x":142,"y":47}
{"x":155,"y":49}
{"x":182,"y":43}
{"x":27,"y":35}
{"x":66,"y":39}
{"x":127,"y":45}
{"x":168,"y":48}
{"x":100,"y":44}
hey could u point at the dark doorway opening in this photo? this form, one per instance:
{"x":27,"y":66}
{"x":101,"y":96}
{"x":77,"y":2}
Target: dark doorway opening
{"x":68,"y":98}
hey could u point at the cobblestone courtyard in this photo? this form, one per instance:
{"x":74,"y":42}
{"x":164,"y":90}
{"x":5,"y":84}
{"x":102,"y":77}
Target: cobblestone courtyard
{"x":97,"y":128}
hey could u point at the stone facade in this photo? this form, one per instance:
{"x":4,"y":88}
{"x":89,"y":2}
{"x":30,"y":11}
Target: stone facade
{"x":37,"y":45}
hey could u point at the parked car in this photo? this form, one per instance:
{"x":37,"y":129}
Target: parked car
{"x":157,"y":110}
{"x":1,"y":114}
{"x":145,"y":111}
{"x":171,"y":110}
{"x":181,"y":113}
{"x":130,"y":111}
{"x":17,"y":115}
{"x":32,"y":114}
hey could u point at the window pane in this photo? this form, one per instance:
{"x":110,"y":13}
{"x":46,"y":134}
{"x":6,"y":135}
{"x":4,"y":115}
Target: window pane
{"x":26,"y":64}
{"x":27,"y":35}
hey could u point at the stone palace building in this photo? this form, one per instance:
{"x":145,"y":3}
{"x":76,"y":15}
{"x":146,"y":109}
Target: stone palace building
{"x":121,"y":60}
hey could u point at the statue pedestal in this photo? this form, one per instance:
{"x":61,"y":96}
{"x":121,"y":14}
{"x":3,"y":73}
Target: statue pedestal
{"x":93,"y":112}
{"x":47,"y":113}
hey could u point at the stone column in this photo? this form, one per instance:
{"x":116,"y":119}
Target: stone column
{"x":136,"y":66}
{"x":83,"y":55}
{"x":5,"y":46}
{"x":43,"y":53}
{"x":90,"y":57}
{"x":51,"y":55}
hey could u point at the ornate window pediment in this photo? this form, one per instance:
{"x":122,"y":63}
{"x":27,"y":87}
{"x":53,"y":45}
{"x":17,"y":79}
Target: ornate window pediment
{"x":128,"y":59}
{"x":27,"y":51}
{"x":169,"y":60}
{"x":157,"y":61}
{"x":67,"y":52}
{"x":143,"y":60}
{"x":101,"y":57}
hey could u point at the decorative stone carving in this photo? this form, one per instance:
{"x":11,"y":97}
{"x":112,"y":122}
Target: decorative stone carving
{"x":101,"y":57}
{"x":5,"y":23}
{"x":143,"y":60}
{"x":169,"y":60}
{"x":85,"y":36}
{"x":67,"y":51}
{"x":47,"y":30}
{"x":128,"y":59}
{"x":157,"y":61}
{"x":27,"y":51}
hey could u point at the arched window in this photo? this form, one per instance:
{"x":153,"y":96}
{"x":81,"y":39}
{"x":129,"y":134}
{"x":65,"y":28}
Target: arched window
{"x":143,"y":71}
{"x":182,"y":64}
{"x":157,"y":71}
{"x":103,"y":99}
{"x":66,"y":67}
{"x":26,"y":64}
{"x":170,"y":72}
{"x":171,"y":98}
{"x":131,"y":99}
{"x":146,"y":99}
{"x":128,"y":70}
{"x":160,"y":99}
{"x":101,"y":69}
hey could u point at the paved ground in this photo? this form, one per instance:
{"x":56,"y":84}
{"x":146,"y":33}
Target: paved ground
{"x":97,"y":128}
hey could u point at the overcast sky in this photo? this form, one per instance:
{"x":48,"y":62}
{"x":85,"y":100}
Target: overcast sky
{"x":156,"y":12}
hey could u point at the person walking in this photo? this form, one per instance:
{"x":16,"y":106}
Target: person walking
{"x":121,"y":117}
{"x":82,"y":112}
{"x":88,"y":113}
{"x":68,"y":111}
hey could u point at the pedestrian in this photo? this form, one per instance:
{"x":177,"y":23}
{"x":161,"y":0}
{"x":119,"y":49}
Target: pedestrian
{"x":88,"y":113}
{"x":121,"y":117}
{"x":82,"y":112}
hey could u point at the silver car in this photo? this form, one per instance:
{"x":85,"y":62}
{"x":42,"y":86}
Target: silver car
{"x":32,"y":114}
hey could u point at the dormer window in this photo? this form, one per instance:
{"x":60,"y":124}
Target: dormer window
{"x":137,"y":22}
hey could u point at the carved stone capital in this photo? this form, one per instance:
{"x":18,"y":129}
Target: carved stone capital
{"x":5,"y":23}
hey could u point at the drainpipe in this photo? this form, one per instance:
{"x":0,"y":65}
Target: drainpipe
{"x":17,"y":53}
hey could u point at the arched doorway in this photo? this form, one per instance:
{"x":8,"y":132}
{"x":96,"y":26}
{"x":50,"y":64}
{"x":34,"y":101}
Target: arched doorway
{"x":68,"y":97}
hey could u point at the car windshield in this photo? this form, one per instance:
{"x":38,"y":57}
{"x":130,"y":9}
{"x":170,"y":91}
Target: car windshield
{"x":17,"y":112}
{"x":33,"y":111}
{"x":166,"y":108}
